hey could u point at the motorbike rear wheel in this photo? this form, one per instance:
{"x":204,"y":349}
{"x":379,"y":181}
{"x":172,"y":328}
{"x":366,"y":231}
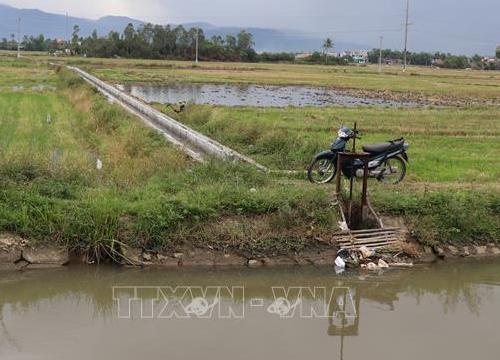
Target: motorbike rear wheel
{"x":393,"y":171}
{"x":322,"y":171}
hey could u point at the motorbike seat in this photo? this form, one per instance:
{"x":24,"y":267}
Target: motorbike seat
{"x":383,"y":147}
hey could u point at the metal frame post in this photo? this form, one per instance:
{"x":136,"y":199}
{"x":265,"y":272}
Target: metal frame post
{"x":364,"y":192}
{"x":339,"y":173}
{"x":365,"y":204}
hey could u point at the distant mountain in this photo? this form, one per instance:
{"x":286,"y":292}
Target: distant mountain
{"x":35,"y":22}
{"x":274,"y":40}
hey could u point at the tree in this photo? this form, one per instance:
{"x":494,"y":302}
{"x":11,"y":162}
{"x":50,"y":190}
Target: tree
{"x":217,"y":40}
{"x":245,"y":46}
{"x":159,"y":43}
{"x":245,"y":41}
{"x":421,"y":58}
{"x":128,"y":38}
{"x":114,"y":45}
{"x":182,"y":42}
{"x":327,"y":45}
{"x":170,"y":42}
{"x":75,"y":39}
{"x":231,"y":42}
{"x":147,"y":42}
{"x":498,"y":52}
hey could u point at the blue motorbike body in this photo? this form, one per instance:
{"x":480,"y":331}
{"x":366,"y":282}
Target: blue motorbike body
{"x":378,"y":154}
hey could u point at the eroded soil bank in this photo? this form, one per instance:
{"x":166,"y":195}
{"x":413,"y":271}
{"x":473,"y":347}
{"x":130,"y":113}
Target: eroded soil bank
{"x":18,"y":254}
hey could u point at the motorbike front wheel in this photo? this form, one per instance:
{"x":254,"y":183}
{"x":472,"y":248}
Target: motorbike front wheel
{"x":392,"y":171}
{"x":322,"y":171}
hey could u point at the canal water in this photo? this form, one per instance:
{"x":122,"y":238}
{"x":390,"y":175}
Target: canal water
{"x":251,"y":95}
{"x":447,"y":311}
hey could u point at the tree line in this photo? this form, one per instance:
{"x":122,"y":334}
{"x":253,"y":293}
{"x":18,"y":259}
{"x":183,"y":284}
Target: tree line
{"x":439,"y":59}
{"x":178,"y":43}
{"x":147,"y":42}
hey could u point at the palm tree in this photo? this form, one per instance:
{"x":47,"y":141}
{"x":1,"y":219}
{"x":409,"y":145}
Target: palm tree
{"x":327,"y":45}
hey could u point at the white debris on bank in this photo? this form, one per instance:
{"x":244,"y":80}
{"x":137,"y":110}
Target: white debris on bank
{"x":366,"y":259}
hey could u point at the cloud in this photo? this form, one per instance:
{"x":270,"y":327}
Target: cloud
{"x":96,"y":8}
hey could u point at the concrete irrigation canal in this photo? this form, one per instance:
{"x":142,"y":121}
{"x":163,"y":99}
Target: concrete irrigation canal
{"x":190,"y":141}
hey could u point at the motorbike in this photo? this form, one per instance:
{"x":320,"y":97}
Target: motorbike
{"x":387,"y":160}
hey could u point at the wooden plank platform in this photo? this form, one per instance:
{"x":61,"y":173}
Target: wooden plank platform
{"x":374,"y":239}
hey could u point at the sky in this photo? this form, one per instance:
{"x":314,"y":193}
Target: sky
{"x":449,"y":25}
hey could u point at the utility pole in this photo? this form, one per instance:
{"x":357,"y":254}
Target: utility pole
{"x":407,"y":23}
{"x":197,"y":43}
{"x":19,"y":38}
{"x":380,"y":55}
{"x":66,"y":29}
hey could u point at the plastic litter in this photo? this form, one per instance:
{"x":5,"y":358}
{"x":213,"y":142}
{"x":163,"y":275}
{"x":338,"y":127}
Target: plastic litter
{"x":343,"y":226}
{"x":366,"y":253}
{"x":339,"y":262}
{"x":338,"y":270}
{"x":382,"y":264}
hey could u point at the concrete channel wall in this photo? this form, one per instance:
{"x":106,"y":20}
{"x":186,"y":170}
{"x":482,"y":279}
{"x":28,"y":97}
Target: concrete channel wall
{"x":192,"y":142}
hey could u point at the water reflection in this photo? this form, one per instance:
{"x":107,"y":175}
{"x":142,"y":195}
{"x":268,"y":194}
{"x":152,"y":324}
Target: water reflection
{"x":5,"y":335}
{"x":360,"y":310}
{"x":252,"y":95}
{"x":465,"y":283}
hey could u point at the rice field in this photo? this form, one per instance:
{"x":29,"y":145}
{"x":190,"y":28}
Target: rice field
{"x":79,"y":171}
{"x":447,"y":145}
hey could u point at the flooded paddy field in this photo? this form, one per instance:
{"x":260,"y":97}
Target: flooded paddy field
{"x":255,"y":95}
{"x":443,"y":311}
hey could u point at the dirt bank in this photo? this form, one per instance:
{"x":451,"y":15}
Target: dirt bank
{"x":17,"y":254}
{"x":416,"y":98}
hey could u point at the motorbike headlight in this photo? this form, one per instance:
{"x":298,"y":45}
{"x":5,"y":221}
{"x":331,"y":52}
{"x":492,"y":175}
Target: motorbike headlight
{"x":342,"y":134}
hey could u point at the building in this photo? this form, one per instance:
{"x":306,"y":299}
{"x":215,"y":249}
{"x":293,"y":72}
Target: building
{"x":357,"y":56}
{"x":303,"y":56}
{"x":489,"y":59}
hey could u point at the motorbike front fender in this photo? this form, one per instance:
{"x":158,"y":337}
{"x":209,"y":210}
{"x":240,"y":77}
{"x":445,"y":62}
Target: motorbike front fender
{"x":330,"y":155}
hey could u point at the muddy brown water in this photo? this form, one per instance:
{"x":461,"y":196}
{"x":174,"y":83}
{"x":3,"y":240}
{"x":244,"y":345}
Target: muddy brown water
{"x":447,"y":311}
{"x":252,"y":95}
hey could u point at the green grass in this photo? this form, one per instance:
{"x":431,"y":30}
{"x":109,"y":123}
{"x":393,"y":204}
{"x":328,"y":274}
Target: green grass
{"x":419,"y":81}
{"x":147,"y":194}
{"x":23,"y":74}
{"x":447,"y":145}
{"x":454,"y":217}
